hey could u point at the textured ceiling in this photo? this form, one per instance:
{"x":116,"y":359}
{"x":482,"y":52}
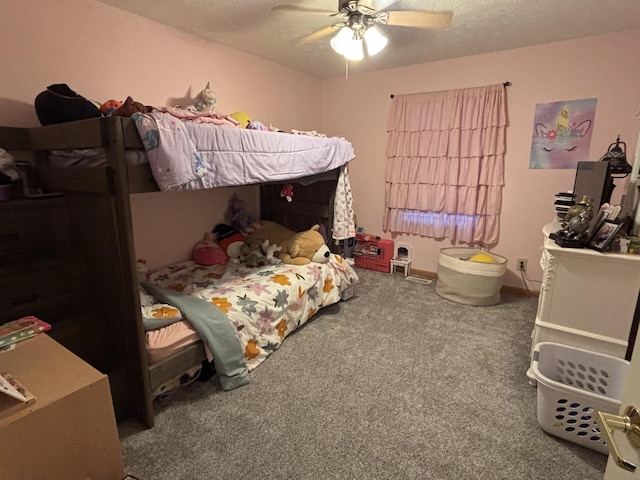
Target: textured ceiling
{"x":478,"y":26}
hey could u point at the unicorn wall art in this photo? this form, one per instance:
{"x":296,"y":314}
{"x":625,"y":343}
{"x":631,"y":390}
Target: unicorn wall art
{"x":562,"y":133}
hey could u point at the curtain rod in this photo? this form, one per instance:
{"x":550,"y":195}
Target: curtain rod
{"x":504,"y":84}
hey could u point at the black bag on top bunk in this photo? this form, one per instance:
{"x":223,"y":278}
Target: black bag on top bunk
{"x":59,"y":104}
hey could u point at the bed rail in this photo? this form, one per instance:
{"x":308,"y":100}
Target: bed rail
{"x":175,"y":365}
{"x":14,"y":138}
{"x":90,"y":133}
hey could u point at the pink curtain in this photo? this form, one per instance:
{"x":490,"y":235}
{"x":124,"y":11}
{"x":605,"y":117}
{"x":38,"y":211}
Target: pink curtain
{"x":445,"y":164}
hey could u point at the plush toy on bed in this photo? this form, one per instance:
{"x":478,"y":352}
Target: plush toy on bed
{"x":243,"y":118}
{"x":241,"y":219}
{"x":129,"y":107}
{"x":143,"y":270}
{"x":270,"y":252}
{"x":296,"y":248}
{"x":229,"y":239}
{"x":207,"y":252}
{"x":8,"y":168}
{"x":110,"y":106}
{"x":205,"y":100}
{"x":251,"y":252}
{"x":257,"y":125}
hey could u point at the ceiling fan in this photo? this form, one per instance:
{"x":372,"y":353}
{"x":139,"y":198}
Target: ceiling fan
{"x":359,"y":21}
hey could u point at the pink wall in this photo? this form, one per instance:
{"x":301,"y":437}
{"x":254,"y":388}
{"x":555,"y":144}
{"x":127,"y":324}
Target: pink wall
{"x":102,"y":53}
{"x":603,"y":67}
{"x":168,"y":225}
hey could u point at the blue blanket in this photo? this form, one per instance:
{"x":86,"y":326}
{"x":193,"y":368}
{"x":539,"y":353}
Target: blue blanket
{"x":215,"y":330}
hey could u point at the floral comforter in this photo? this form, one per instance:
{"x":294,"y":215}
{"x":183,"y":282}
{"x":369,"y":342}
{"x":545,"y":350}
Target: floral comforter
{"x":263,"y":304}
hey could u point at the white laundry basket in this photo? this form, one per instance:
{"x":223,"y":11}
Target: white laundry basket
{"x":469,"y":283}
{"x":573,"y":385}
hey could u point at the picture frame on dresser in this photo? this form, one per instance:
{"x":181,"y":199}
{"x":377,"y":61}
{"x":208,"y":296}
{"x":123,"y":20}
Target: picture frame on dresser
{"x":604,"y":233}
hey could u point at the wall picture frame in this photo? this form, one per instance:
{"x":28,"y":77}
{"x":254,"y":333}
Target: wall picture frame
{"x":604,"y":234}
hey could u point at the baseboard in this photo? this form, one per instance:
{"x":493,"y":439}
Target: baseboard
{"x":522,"y":292}
{"x":424,"y":274}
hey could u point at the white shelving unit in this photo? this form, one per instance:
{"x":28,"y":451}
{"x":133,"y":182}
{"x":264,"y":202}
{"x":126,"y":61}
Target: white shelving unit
{"x":587,"y":298}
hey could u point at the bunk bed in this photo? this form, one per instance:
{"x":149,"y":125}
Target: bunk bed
{"x":98,"y":215}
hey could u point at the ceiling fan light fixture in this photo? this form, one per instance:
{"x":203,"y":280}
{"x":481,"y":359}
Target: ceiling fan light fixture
{"x":354,"y":51}
{"x":337,"y":43}
{"x":375,"y":41}
{"x":345,"y":44}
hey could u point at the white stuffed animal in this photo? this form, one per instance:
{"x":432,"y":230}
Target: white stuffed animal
{"x":7,"y":165}
{"x":270,"y":251}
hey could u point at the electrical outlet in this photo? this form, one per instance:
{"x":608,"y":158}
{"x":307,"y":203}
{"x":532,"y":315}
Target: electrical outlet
{"x":522,"y":265}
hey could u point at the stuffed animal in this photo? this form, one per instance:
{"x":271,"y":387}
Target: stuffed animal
{"x":257,"y":125}
{"x":229,"y":239}
{"x":239,"y":217}
{"x":143,"y":270}
{"x":287,"y":192}
{"x":270,"y":252}
{"x":205,"y":100}
{"x":129,"y":107}
{"x":243,"y":118}
{"x":110,"y":106}
{"x":208,"y":252}
{"x":296,"y":248}
{"x":251,"y":252}
{"x":8,"y":167}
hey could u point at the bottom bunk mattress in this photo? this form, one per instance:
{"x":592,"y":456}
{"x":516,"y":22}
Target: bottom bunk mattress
{"x":163,"y":342}
{"x":262,"y":305}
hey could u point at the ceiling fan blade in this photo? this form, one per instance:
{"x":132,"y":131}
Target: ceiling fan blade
{"x":371,"y":7}
{"x":367,"y":9}
{"x":323,"y":32}
{"x":297,"y":8}
{"x":381,"y":4}
{"x":415,"y":18}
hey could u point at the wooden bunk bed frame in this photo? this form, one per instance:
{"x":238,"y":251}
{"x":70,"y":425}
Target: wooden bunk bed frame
{"x":97,"y":198}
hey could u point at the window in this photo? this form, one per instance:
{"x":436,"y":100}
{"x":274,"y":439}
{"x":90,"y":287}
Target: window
{"x":445,"y":164}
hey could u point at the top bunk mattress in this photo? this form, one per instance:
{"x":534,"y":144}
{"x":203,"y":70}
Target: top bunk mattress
{"x":188,"y":156}
{"x":185,"y":155}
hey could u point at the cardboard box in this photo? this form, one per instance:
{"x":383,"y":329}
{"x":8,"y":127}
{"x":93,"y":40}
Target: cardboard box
{"x":69,"y":431}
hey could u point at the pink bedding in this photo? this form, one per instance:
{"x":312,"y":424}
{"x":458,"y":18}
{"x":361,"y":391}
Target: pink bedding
{"x":166,"y":341}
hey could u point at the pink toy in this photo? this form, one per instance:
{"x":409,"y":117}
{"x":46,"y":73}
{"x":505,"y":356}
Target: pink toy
{"x":207,"y":252}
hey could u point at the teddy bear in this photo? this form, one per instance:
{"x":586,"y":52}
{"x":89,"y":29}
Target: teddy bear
{"x":129,"y":107}
{"x":296,"y":248}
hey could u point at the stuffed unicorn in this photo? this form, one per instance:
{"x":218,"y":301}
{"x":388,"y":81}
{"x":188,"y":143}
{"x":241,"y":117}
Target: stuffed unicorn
{"x":205,"y":100}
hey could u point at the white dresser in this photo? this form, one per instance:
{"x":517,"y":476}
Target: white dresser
{"x":587,"y":298}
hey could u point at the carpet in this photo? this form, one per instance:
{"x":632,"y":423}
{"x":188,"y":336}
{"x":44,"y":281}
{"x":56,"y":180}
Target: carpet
{"x":395,"y":383}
